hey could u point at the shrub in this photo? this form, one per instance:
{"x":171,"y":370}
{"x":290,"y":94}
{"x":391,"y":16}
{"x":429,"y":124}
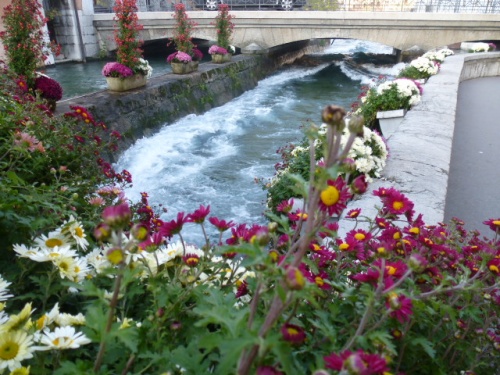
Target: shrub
{"x":23,"y":38}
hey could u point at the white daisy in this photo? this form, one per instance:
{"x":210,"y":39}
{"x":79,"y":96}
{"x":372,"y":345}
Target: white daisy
{"x":25,"y":252}
{"x":52,"y":240}
{"x":48,"y":318}
{"x":63,"y":338}
{"x":74,"y":228}
{"x":15,"y":346}
{"x":64,"y":319}
{"x":3,"y":289}
{"x":57,"y":252}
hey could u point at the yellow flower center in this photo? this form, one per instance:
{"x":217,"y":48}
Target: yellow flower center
{"x":496,"y":222}
{"x":53,"y":242}
{"x":64,"y":266}
{"x":494,"y":268}
{"x":292,"y":331}
{"x":330,"y":196}
{"x":390,"y":270}
{"x":79,"y":232}
{"x":316,"y":247}
{"x":397,"y":205}
{"x":9,"y":350}
{"x":381,"y":250}
{"x":397,"y":235}
{"x":343,"y":246}
{"x":319,"y":281}
{"x":415,"y":230}
{"x":359,"y":236}
{"x":115,"y":256}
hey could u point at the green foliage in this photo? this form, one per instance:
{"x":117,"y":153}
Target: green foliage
{"x":412,"y":72}
{"x":323,"y":5}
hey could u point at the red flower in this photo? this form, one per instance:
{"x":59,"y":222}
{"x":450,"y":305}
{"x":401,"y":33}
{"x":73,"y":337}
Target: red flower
{"x":174,"y":226}
{"x":293,"y":334}
{"x":221,"y":225}
{"x":357,"y":363}
{"x":400,"y":307}
{"x":494,"y":224}
{"x":199,"y":215}
{"x":334,"y":197}
{"x":191,"y":260}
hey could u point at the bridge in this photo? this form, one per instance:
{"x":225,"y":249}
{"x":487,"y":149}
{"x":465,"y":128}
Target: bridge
{"x":258,"y":31}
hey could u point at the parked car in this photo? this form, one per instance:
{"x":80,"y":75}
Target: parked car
{"x":238,"y":4}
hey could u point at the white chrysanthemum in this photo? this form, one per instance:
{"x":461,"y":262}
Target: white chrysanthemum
{"x":447,"y":52}
{"x":4,"y":317}
{"x":425,"y":65}
{"x":50,"y":255}
{"x":435,"y":55}
{"x":19,"y":321}
{"x":64,"y":319}
{"x":62,"y":338}
{"x":480,"y":47}
{"x":21,"y":371}
{"x":4,"y":289}
{"x":48,"y":318}
{"x":24,"y":252}
{"x":98,"y":260}
{"x":74,"y":228}
{"x":74,"y":269}
{"x":15,"y":346}
{"x":52,"y":240}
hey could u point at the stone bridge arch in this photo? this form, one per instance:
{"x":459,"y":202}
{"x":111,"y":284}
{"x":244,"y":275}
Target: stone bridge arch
{"x":263,"y":30}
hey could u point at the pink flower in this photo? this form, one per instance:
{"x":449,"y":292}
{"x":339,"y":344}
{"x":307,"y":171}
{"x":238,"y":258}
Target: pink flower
{"x":199,"y":215}
{"x":117,"y":70}
{"x":293,"y":334}
{"x":400,"y":307}
{"x":216,"y":50}
{"x":221,"y":225}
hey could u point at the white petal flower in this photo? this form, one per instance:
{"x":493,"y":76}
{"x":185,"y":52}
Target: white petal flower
{"x":52,"y":240}
{"x":15,"y":346}
{"x":74,"y":229}
{"x":62,"y":338}
{"x":3,"y":289}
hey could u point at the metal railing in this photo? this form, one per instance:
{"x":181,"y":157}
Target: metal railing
{"x":421,"y":6}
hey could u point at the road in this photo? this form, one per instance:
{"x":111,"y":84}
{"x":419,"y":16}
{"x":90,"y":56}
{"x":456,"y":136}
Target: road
{"x":474,"y":178}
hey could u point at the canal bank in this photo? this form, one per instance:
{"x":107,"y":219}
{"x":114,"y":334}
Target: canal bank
{"x":420,"y":151}
{"x":169,"y":97}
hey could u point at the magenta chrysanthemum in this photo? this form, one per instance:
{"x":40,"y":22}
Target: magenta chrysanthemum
{"x":117,"y":70}
{"x":334,"y":197}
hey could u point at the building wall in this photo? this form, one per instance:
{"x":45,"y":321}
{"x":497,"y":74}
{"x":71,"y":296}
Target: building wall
{"x":3,"y":4}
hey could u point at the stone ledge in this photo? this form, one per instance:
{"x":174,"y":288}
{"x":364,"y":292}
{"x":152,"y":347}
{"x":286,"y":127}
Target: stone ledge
{"x":420,"y":152}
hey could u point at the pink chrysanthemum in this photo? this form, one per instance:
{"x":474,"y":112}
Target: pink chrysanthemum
{"x":334,"y":197}
{"x":494,"y":224}
{"x":199,"y":215}
{"x":221,"y":225}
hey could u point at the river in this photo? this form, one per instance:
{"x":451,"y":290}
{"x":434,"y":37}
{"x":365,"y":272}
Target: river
{"x":213,"y":159}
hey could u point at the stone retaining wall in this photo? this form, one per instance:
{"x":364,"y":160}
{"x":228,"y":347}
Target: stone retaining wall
{"x":165,"y":99}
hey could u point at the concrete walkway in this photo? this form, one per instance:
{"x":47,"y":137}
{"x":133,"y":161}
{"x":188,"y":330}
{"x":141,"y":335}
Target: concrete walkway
{"x":420,"y":152}
{"x":474,"y":179}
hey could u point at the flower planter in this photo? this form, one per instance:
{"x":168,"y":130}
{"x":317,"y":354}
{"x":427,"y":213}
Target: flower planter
{"x":221,"y":59}
{"x":127,"y":83}
{"x":389,"y":121}
{"x":184,"y":68}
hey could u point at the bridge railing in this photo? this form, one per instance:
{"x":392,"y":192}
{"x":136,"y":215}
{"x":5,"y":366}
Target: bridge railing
{"x":429,"y":6}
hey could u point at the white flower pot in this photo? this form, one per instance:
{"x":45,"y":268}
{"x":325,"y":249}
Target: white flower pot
{"x":389,"y":121}
{"x":127,"y":83}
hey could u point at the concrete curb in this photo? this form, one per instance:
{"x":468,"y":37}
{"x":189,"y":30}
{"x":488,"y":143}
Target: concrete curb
{"x":420,"y":151}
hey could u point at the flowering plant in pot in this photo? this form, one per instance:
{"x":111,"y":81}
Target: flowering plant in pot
{"x":420,"y":68}
{"x":401,"y":93}
{"x":129,"y":63}
{"x":186,"y":53}
{"x":224,"y":28}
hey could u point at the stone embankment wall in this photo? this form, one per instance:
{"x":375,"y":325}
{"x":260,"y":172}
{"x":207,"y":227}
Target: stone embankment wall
{"x":167,"y":98}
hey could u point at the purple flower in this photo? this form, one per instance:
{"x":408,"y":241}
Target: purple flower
{"x":50,"y":88}
{"x":117,"y":70}
{"x":216,"y":50}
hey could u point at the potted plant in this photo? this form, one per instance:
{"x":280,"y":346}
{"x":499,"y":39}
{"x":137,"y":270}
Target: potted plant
{"x":222,"y":51}
{"x":388,"y":102}
{"x":186,"y":58}
{"x":130,"y":70}
{"x":49,"y":89}
{"x":421,"y":68}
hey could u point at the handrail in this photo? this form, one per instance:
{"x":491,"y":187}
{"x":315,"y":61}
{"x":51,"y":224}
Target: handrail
{"x":420,"y":6}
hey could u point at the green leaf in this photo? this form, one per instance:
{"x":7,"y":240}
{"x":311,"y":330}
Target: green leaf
{"x":425,"y":344}
{"x":128,"y":336}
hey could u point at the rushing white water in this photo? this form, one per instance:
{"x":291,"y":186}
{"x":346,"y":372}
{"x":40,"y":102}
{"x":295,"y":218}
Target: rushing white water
{"x":214,"y":158}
